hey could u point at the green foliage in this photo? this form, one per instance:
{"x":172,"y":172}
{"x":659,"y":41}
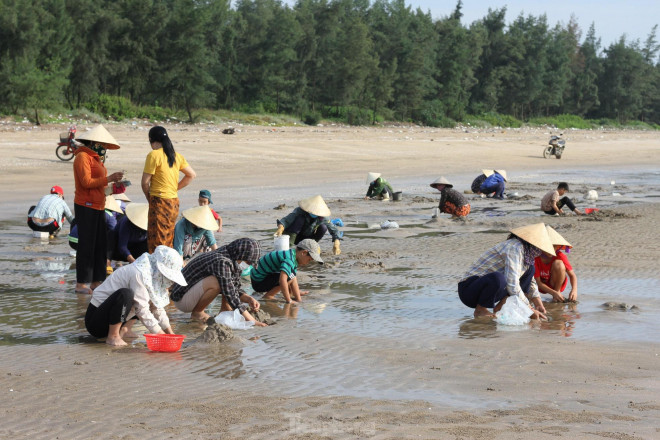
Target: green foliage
{"x":492,"y":119}
{"x":312,"y":118}
{"x":563,"y":121}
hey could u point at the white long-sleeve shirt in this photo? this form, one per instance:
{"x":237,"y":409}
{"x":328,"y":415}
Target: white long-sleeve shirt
{"x":129,"y":277}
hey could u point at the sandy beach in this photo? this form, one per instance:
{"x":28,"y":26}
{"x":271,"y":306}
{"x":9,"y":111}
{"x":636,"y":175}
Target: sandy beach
{"x":381,"y":348}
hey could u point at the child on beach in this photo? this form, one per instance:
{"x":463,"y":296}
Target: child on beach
{"x":553,"y":272}
{"x":276,"y":271}
{"x":204,"y":198}
{"x":552,"y":204}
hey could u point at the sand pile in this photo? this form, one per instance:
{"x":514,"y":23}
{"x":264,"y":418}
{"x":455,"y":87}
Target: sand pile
{"x":262,"y":316}
{"x":215,"y":333}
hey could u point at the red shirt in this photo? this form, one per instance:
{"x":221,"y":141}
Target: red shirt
{"x":542,"y":270}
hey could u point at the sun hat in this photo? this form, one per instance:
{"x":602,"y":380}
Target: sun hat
{"x":201,"y":217}
{"x":101,"y":135}
{"x":312,"y":247}
{"x":206,"y":194}
{"x":487,"y":173}
{"x":441,"y":181}
{"x":169,"y":263}
{"x":315,"y":205}
{"x":121,"y":196}
{"x":502,"y":173}
{"x":556,"y":238}
{"x":138,"y":214}
{"x":57,"y":190}
{"x":112,"y":205}
{"x":536,"y":235}
{"x":372,"y":176}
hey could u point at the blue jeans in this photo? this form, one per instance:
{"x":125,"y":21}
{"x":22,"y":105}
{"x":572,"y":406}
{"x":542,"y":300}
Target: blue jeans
{"x":498,"y":189}
{"x":489,"y":289}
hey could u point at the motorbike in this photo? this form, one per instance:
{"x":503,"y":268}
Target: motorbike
{"x":67,"y":146}
{"x":555,"y":147}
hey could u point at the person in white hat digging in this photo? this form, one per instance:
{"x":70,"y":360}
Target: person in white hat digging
{"x":309,"y":220}
{"x":194,"y":232}
{"x":506,"y":270}
{"x":495,"y":183}
{"x":379,"y":188}
{"x":137,"y":290}
{"x":552,"y":272}
{"x":451,"y":201}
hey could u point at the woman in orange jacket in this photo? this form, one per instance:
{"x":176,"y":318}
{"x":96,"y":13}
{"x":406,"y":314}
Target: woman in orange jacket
{"x":91,"y":179}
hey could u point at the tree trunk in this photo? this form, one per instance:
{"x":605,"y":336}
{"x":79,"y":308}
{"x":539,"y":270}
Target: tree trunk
{"x":36,"y":117}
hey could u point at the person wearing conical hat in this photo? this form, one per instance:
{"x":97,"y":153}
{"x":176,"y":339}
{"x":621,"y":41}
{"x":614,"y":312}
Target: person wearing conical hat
{"x":131,"y":233}
{"x":194,"y":232}
{"x":204,"y":198}
{"x":91,"y":180}
{"x":451,"y":201}
{"x":495,"y":183}
{"x":476,"y":183}
{"x":379,"y":188}
{"x":507,"y":269}
{"x":48,"y":214}
{"x":309,"y":220}
{"x":552,"y":272}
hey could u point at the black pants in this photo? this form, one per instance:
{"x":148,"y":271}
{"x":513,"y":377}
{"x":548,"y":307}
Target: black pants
{"x":489,"y":289}
{"x":564,"y":201}
{"x":296,"y":227}
{"x":112,"y":311}
{"x":92,"y":245}
{"x":52,"y":228}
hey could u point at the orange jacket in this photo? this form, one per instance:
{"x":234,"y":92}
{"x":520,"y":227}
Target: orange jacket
{"x":89,"y":174}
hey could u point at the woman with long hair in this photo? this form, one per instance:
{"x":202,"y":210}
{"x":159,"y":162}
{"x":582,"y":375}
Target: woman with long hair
{"x":160,"y":184}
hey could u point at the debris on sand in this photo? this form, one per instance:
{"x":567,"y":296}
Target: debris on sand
{"x":611,"y":305}
{"x":262,"y":316}
{"x":215,"y":333}
{"x":229,"y":130}
{"x":420,"y":199}
{"x":280,"y":206}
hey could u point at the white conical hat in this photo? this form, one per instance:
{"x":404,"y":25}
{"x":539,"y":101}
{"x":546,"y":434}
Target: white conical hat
{"x":536,"y":235}
{"x":101,"y":135}
{"x":112,"y":205}
{"x":556,"y":238}
{"x":315,"y":205}
{"x":487,"y":173}
{"x":441,"y":181}
{"x":372,"y":176}
{"x":502,"y":173}
{"x":122,"y":196}
{"x":202,"y":217}
{"x":138,"y":214}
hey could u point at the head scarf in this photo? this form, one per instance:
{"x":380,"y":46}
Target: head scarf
{"x":97,"y":148}
{"x":243,"y":249}
{"x":154,"y":281}
{"x":530,"y":252}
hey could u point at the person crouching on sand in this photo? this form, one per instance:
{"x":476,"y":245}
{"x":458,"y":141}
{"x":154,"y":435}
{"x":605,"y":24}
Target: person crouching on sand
{"x":495,"y":183}
{"x":276,"y":271}
{"x":218,"y":272}
{"x":553,"y":201}
{"x":505,"y":270}
{"x":379,"y":188}
{"x":553,"y":272}
{"x":451,"y":201}
{"x":137,"y":289}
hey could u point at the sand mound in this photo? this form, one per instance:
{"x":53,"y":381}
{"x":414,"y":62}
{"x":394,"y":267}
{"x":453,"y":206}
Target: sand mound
{"x":215,"y":333}
{"x":262,"y":316}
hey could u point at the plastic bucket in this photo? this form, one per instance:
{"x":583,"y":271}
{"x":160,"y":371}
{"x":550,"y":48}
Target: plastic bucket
{"x":396,"y":196}
{"x":41,"y":235}
{"x":281,"y":243}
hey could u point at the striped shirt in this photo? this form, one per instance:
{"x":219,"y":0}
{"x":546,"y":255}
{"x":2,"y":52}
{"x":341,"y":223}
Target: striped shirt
{"x":276,"y":262}
{"x":506,"y":257}
{"x":52,"y":206}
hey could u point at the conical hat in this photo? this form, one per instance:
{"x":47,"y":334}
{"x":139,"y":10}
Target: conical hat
{"x":372,"y":176}
{"x":138,"y":214}
{"x":122,"y":196}
{"x":441,"y":181}
{"x":202,"y":217}
{"x":503,"y":174}
{"x":536,"y":235}
{"x":487,"y":173}
{"x":100,"y":134}
{"x":556,"y":238}
{"x":315,"y":205}
{"x":112,"y":205}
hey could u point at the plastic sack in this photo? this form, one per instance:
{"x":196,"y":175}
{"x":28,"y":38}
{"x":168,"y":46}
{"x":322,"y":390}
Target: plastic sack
{"x":337,"y":222}
{"x":514,"y":312}
{"x":388,"y":224}
{"x":591,"y":195}
{"x":233,"y":320}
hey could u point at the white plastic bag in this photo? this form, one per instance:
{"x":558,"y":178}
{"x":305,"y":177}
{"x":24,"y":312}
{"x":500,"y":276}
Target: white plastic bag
{"x":514,"y":312}
{"x":388,"y":224}
{"x":233,"y":320}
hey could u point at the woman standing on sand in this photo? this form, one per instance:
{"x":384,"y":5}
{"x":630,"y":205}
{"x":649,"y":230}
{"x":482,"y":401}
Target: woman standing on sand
{"x":505,"y":270}
{"x":160,"y":184}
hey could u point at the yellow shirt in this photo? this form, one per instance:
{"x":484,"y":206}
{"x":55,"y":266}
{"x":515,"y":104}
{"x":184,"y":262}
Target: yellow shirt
{"x":164,"y":180}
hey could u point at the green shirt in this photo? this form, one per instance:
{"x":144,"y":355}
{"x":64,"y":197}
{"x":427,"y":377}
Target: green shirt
{"x":276,"y":262}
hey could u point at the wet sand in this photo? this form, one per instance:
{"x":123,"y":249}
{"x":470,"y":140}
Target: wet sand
{"x":382,"y":347}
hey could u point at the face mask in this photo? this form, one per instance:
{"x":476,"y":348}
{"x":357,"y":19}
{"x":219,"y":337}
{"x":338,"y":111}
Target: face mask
{"x":243,"y":265}
{"x":313,"y":216}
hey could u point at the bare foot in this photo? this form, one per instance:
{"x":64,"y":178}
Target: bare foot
{"x":83,"y":288}
{"x":125,"y":333}
{"x":115,"y":342}
{"x":95,"y":284}
{"x":268,"y":297}
{"x":200,"y":316}
{"x":482,"y":311}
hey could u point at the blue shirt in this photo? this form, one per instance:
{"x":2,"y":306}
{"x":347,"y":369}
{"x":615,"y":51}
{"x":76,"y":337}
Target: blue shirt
{"x":492,"y":180}
{"x":276,"y":262}
{"x":184,"y":227}
{"x":52,"y":206}
{"x":128,"y":233}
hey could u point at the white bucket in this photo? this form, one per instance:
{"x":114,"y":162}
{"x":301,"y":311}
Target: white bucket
{"x":41,"y":235}
{"x":281,"y":243}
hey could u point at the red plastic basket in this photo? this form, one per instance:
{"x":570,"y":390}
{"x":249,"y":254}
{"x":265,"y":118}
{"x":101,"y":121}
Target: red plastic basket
{"x":164,"y":343}
{"x":590,"y":210}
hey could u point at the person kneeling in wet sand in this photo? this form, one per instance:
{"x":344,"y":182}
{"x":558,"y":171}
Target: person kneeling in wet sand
{"x":451,"y":201}
{"x":379,"y":188}
{"x":135,"y":290}
{"x":309,"y":220}
{"x":495,"y":183}
{"x":552,"y":204}
{"x":553,"y":272}
{"x":277,"y":270}
{"x":48,"y":214}
{"x":218,"y":272}
{"x":505,"y":270}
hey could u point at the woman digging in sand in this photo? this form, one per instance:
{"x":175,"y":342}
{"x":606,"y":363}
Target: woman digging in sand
{"x":219,"y":271}
{"x":505,"y":270}
{"x":451,"y":201}
{"x":136,"y":290}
